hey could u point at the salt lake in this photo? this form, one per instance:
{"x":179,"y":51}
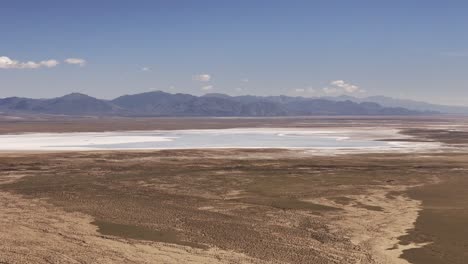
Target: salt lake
{"x":208,"y":138}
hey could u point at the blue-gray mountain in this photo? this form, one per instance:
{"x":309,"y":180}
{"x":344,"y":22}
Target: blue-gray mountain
{"x":405,"y":103}
{"x":166,"y":104}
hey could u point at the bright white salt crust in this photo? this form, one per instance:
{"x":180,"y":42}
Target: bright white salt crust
{"x":318,"y":140}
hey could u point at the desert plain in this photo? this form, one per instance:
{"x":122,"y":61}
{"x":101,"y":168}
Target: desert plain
{"x":230,"y":205}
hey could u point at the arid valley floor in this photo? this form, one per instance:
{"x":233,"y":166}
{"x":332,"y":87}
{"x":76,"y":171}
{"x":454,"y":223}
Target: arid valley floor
{"x":236,"y":205}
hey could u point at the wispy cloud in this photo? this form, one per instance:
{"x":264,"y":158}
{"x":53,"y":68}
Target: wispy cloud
{"x":49,"y":63}
{"x":7,"y":63}
{"x":76,"y":61}
{"x":307,"y":91}
{"x":207,"y":88}
{"x":340,"y":86}
{"x":348,"y":87}
{"x":330,"y":90}
{"x":145,"y":69}
{"x":202,"y":77}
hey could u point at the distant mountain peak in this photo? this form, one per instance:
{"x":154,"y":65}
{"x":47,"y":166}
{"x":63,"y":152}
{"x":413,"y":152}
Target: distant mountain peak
{"x":160,"y":103}
{"x":75,"y":96}
{"x":218,"y":95}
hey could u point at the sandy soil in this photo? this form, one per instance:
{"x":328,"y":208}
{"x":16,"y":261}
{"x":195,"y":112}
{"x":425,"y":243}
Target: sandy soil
{"x":229,"y":206}
{"x":237,"y":206}
{"x":35,"y":232}
{"x":375,"y":222}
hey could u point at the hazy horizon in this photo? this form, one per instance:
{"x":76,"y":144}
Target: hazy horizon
{"x":363,"y":97}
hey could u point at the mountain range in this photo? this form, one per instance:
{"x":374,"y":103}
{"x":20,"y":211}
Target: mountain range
{"x":405,"y":103}
{"x":160,"y":103}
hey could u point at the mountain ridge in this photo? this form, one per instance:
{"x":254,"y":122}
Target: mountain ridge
{"x":159,"y":103}
{"x":387,"y":101}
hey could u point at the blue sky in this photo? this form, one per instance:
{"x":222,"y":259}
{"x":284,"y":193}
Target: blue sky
{"x":406,"y":49}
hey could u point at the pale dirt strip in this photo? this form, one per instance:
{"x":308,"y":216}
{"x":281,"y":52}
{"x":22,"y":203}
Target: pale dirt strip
{"x":377,"y":231}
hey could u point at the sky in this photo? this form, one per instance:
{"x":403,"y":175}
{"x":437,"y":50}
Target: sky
{"x":405,"y":49}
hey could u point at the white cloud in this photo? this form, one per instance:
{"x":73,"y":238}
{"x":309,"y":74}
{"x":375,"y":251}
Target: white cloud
{"x":245,"y":80}
{"x":299,"y":90}
{"x":202,"y":77}
{"x":76,"y":61}
{"x":207,"y":88}
{"x":7,"y":63}
{"x":49,"y":63}
{"x":145,"y":69}
{"x":347,"y":87}
{"x":330,"y":90}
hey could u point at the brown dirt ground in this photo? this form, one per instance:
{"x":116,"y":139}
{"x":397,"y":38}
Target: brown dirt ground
{"x":267,"y":205}
{"x":98,"y":124}
{"x":234,"y":206}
